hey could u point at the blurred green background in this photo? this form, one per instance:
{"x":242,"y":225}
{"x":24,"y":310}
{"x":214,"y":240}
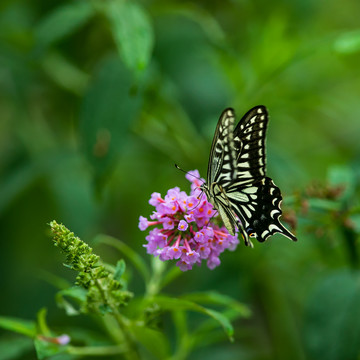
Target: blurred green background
{"x":99,"y":99}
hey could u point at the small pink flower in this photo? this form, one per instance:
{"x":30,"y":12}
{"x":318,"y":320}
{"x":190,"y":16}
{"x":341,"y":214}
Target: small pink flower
{"x":168,"y":223}
{"x":155,"y":199}
{"x":172,"y":195}
{"x":191,"y":257}
{"x":213,"y":262}
{"x":174,"y":252}
{"x":163,"y":254}
{"x":168,"y":207}
{"x":189,"y":217}
{"x":63,"y":339}
{"x":209,"y":232}
{"x":143,"y":223}
{"x":204,"y":251}
{"x":183,"y":225}
{"x":184,"y":266}
{"x":199,"y":236}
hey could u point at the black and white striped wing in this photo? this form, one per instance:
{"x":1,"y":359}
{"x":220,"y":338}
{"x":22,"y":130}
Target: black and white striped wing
{"x":258,"y":207}
{"x":236,"y":180}
{"x":222,"y":161}
{"x":222,"y":168}
{"x":249,"y":143}
{"x":253,"y":197}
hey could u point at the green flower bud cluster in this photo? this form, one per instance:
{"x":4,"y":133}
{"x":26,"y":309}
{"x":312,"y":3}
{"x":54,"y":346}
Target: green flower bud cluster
{"x":104,"y":293}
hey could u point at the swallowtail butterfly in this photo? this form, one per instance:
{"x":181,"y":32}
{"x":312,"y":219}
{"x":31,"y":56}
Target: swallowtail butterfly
{"x":237,"y":184}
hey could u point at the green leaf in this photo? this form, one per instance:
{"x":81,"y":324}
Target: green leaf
{"x":198,"y":14}
{"x":67,"y":74}
{"x":15,"y":348}
{"x":332,"y":327}
{"x":119,"y":269}
{"x":173,"y":304}
{"x":154,"y":341}
{"x":212,"y":297}
{"x":62,"y":22}
{"x":76,"y":293}
{"x":46,"y":349}
{"x":43,"y":328}
{"x":342,"y":176}
{"x":348,"y":42}
{"x":324,"y":204}
{"x":14,"y":182}
{"x":108,"y":109}
{"x":133,"y":256}
{"x":132,"y":32}
{"x":20,"y":326}
{"x":355,"y":220}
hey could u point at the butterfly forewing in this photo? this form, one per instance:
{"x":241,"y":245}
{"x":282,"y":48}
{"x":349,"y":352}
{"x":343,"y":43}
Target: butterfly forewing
{"x":222,"y":162}
{"x":237,"y":184}
{"x":249,"y":141}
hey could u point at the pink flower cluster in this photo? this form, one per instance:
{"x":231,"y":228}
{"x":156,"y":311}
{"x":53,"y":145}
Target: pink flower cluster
{"x":186,"y":228}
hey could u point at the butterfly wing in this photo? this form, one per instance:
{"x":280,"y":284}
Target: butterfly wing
{"x":222,"y":168}
{"x":236,"y":180}
{"x":222,"y":161}
{"x":258,"y":207}
{"x":249,"y":143}
{"x":255,"y":198}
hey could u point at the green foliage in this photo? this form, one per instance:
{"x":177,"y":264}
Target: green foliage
{"x":104,"y":293}
{"x":63,"y":21}
{"x":15,"y":348}
{"x":21,"y":326}
{"x":99,"y":99}
{"x":132,"y":31}
{"x":108,"y":109}
{"x":332,"y":327}
{"x":100,"y":293}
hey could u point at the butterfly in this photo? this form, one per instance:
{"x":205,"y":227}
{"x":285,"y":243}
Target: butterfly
{"x":237,"y":185}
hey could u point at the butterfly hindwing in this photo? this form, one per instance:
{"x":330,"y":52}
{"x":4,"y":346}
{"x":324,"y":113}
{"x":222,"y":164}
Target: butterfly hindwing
{"x":259,"y":210}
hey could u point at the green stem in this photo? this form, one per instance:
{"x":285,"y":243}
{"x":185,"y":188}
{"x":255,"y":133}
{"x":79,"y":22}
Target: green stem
{"x":96,"y":350}
{"x":153,"y":286}
{"x":131,"y":352}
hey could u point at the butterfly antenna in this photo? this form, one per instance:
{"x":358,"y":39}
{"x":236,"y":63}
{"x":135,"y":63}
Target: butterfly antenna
{"x":199,"y":202}
{"x":196,"y":177}
{"x":188,"y":173}
{"x":199,"y":198}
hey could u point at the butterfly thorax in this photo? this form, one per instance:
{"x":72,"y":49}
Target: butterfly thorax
{"x":214,"y":193}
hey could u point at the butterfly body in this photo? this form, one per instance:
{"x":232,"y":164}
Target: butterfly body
{"x":237,"y":184}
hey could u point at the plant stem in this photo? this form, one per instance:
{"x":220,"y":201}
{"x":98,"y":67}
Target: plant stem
{"x":131,"y":352}
{"x":153,"y":285}
{"x":131,"y":349}
{"x":96,"y":350}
